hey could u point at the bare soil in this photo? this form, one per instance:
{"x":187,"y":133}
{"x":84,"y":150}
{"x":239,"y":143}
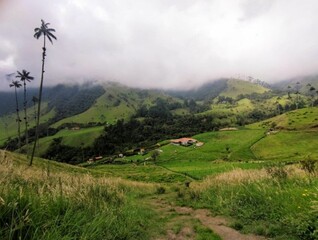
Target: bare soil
{"x":184,"y":216}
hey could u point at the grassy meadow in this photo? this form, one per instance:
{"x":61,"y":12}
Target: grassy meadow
{"x":8,"y":123}
{"x":262,"y":177}
{"x":82,"y":137}
{"x":236,"y":87}
{"x":276,"y":202}
{"x":56,"y":201}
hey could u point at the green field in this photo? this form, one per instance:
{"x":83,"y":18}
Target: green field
{"x":222,"y":151}
{"x":10,"y":122}
{"x":140,"y":172}
{"x":75,"y":138}
{"x":215,"y":147}
{"x":306,"y":118}
{"x":293,"y":145}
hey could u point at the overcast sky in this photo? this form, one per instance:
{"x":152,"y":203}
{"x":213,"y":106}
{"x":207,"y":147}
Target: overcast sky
{"x":160,"y":43}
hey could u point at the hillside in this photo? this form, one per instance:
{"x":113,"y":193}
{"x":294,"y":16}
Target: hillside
{"x":118,"y":102}
{"x":300,"y":83}
{"x":236,"y":87}
{"x":243,"y":174}
{"x":243,"y":147}
{"x":302,"y":119}
{"x":224,"y":103}
{"x":52,"y":200}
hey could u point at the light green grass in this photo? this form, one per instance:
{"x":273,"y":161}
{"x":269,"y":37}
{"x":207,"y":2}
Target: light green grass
{"x":102,"y":111}
{"x":214,"y":148}
{"x":276,"y":206}
{"x":236,"y":87}
{"x":201,"y":169}
{"x":292,"y":145}
{"x":140,"y":172}
{"x":10,"y":121}
{"x":74,"y":138}
{"x":198,"y":162}
{"x":107,"y":109}
{"x":306,"y":118}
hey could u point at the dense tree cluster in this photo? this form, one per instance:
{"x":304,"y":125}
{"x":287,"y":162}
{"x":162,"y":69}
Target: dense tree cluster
{"x":71,"y":100}
{"x":123,"y":136}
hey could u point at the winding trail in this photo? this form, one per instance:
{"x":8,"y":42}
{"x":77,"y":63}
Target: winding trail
{"x":217,"y":224}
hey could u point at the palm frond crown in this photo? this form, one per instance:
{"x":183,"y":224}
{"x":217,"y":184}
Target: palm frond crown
{"x":45,"y":31}
{"x":16,"y":84}
{"x":24,"y":76}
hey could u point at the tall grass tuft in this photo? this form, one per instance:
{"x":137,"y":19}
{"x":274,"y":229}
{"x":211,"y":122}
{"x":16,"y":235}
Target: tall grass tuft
{"x":278,"y":203}
{"x":61,"y":205}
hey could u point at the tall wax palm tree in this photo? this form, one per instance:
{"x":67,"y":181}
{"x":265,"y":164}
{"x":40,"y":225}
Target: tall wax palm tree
{"x":17,"y":84}
{"x":25,"y":77}
{"x":35,"y":100}
{"x":46,"y":32}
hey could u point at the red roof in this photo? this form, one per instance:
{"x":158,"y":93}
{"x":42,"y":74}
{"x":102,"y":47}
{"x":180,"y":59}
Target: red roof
{"x":183,"y":140}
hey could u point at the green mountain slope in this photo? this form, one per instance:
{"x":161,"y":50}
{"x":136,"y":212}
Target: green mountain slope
{"x":299,"y":82}
{"x":118,"y":102}
{"x":236,"y":87}
{"x":301,"y":119}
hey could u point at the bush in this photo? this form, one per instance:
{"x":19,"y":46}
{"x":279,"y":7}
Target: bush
{"x":160,"y":190}
{"x":308,"y":166}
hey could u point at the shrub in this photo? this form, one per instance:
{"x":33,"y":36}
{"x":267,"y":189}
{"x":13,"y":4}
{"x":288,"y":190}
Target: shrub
{"x":308,"y":166}
{"x":278,"y":173}
{"x":160,"y":190}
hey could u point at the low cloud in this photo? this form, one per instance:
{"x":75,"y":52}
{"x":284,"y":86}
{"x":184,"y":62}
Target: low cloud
{"x":160,"y":43}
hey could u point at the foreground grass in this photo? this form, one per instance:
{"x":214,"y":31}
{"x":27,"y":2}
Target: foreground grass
{"x":280,"y":203}
{"x":45,"y":202}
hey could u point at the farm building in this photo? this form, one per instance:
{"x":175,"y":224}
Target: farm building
{"x":184,"y":141}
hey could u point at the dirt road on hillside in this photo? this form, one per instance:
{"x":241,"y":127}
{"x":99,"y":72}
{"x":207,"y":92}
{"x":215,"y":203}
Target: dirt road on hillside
{"x":185,"y":214}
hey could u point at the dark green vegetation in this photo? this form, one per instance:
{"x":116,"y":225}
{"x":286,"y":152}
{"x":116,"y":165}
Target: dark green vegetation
{"x":153,"y":115}
{"x":245,"y":173}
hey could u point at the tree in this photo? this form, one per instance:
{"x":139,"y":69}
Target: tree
{"x":46,"y":32}
{"x":312,"y":91}
{"x":297,"y":94}
{"x":17,"y":84}
{"x":288,"y":91}
{"x":155,"y":154}
{"x":24,"y":77}
{"x":35,"y":100}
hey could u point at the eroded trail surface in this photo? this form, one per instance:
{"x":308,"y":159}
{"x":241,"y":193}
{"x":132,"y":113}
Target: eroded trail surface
{"x":186,"y":218}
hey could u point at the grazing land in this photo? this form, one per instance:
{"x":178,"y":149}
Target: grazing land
{"x":234,"y":181}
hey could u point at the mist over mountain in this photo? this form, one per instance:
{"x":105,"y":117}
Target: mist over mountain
{"x":161,"y":44}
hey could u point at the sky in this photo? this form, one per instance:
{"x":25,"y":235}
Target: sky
{"x":160,"y":43}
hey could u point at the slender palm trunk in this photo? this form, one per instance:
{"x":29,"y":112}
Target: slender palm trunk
{"x":39,"y":104}
{"x":25,"y":115}
{"x":34,"y":109}
{"x":18,"y":118}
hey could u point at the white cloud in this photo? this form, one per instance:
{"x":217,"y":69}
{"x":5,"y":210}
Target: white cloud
{"x":162,"y":43}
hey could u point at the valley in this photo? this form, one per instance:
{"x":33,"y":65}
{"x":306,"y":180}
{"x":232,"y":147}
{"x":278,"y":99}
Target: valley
{"x":110,"y":164}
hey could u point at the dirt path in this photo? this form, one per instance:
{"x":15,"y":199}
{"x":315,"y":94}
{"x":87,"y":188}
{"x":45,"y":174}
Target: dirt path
{"x":184,"y":216}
